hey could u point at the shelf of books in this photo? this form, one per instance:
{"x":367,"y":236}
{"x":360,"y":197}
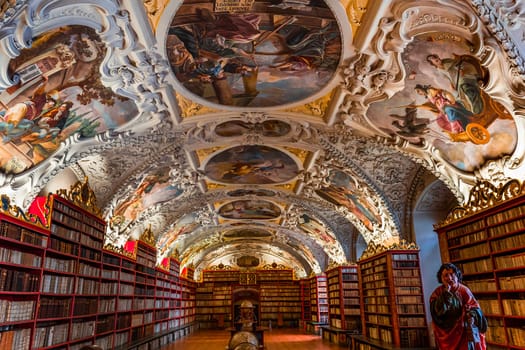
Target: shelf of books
{"x":280,"y":304}
{"x":22,"y":250}
{"x":391,"y":298}
{"x":214,"y":299}
{"x":61,"y":289}
{"x":487,"y":243}
{"x":187,"y":305}
{"x":306,"y":311}
{"x":318,"y":304}
{"x":344,"y":304}
{"x":71,"y":278}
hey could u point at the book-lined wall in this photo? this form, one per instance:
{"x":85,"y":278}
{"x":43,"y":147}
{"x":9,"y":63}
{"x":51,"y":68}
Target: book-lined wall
{"x":319,"y":299}
{"x":274,"y":293}
{"x":306,"y":310}
{"x":60,"y":289}
{"x":344,"y":311}
{"x":487,"y":243}
{"x":280,"y":298}
{"x":214,"y":298}
{"x":392,"y":305}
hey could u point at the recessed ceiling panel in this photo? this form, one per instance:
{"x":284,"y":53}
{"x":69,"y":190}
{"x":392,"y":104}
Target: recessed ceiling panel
{"x":253,"y":53}
{"x":258,"y":192}
{"x":246,"y":233}
{"x":154,"y":188}
{"x":251,"y":165}
{"x":250,"y":209}
{"x":268,"y":128}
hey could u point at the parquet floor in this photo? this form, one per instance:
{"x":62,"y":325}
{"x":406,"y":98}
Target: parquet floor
{"x":276,"y":339}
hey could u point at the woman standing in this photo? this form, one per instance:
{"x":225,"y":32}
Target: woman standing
{"x":457,"y":320}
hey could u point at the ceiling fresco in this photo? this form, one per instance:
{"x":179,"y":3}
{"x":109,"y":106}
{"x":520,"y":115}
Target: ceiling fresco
{"x":444,"y":103}
{"x":250,"y":210}
{"x":250,"y":165}
{"x":261,"y":133}
{"x":58,"y":94}
{"x":253,"y":54}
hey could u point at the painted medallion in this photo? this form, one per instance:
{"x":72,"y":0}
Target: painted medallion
{"x":444,"y":102}
{"x":251,"y":165}
{"x":59,"y":94}
{"x":254,"y":53}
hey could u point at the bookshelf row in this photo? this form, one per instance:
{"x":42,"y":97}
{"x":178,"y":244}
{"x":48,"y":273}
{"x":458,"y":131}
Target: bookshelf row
{"x":489,"y":247}
{"x":59,"y":289}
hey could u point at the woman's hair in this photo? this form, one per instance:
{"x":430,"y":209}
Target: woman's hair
{"x":449,"y":266}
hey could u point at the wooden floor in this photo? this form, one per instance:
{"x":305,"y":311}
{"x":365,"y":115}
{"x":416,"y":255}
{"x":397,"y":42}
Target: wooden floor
{"x":276,"y":339}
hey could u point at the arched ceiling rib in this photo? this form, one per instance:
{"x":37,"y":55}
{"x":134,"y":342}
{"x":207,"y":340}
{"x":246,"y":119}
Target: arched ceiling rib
{"x":289,"y":132}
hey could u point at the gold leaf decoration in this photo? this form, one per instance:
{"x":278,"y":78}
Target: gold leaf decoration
{"x":373,"y":248}
{"x":355,"y":10}
{"x":316,"y":108}
{"x":154,"y":9}
{"x":484,"y":195}
{"x":82,"y":196}
{"x":175,"y":254}
{"x":110,"y":247}
{"x":221,"y":267}
{"x":189,"y":108}
{"x":275,"y":266}
{"x":148,"y":237}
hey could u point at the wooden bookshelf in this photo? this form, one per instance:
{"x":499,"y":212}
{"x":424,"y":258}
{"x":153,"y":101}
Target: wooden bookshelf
{"x":306,"y":310}
{"x":214,"y":304}
{"x":392,"y":297}
{"x":280,"y":304}
{"x":71,"y":278}
{"x":61,"y":289}
{"x":487,"y":242}
{"x":280,"y":298}
{"x":22,"y":251}
{"x":344,"y":304}
{"x":318,"y":303}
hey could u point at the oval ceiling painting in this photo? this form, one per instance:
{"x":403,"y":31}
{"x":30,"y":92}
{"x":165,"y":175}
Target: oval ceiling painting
{"x":254,"y":53}
{"x":247,"y":233}
{"x":256,"y":192}
{"x":250,"y":209}
{"x":244,"y":165}
{"x":268,"y":128}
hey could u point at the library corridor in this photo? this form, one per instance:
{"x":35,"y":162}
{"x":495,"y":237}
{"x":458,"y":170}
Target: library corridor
{"x":276,"y":339}
{"x":319,"y":174}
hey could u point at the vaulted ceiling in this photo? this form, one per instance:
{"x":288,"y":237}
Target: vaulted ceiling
{"x":252,"y":133}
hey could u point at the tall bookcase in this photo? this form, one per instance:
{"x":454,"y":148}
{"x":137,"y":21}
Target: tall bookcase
{"x":318,"y":303}
{"x":71,"y":278}
{"x":214,"y":298}
{"x":344,"y":303}
{"x":279,"y":298}
{"x":306,"y":311}
{"x":319,"y":298}
{"x":486,"y":240}
{"x":391,"y":298}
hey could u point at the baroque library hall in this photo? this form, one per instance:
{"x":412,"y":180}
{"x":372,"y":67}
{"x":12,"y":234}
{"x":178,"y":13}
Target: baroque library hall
{"x":262,"y":174}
